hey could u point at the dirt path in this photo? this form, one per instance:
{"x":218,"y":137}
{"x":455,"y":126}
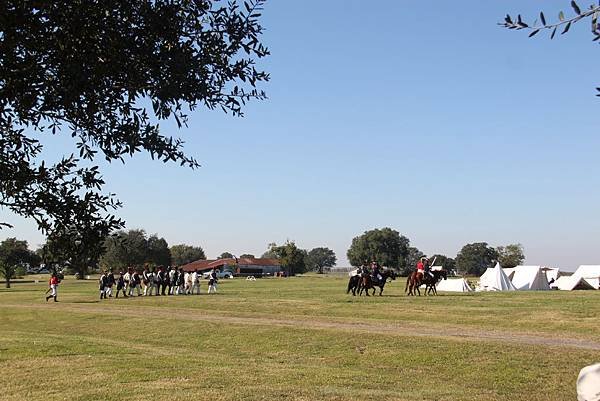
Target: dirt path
{"x":455,"y":333}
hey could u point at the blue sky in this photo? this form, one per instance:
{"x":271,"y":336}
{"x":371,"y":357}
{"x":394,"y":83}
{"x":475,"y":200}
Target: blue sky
{"x":422,"y":116}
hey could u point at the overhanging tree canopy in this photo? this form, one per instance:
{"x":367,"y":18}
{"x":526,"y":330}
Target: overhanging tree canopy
{"x":106,"y":73}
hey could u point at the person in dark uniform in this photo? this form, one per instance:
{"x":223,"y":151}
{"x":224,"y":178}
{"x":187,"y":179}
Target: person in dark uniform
{"x":175,"y":284}
{"x":212,"y":281}
{"x":180,"y":282}
{"x":157,"y":282}
{"x":137,"y":280}
{"x":146,"y":279}
{"x":164,"y":278}
{"x":376,"y":272}
{"x":121,"y":285}
{"x":111,"y":283}
{"x":169,"y":281}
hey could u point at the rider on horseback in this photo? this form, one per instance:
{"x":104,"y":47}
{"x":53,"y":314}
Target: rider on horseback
{"x":424,"y":267}
{"x":376,"y":272}
{"x":421,"y":267}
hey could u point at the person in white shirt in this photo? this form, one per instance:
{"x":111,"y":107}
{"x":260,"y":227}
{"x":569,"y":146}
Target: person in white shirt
{"x":186,"y":283}
{"x":195,"y":282}
{"x":127,"y":280}
{"x":172,"y":280}
{"x":212,"y":281}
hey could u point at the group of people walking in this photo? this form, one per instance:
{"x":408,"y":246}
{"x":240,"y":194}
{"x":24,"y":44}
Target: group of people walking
{"x":169,"y":281}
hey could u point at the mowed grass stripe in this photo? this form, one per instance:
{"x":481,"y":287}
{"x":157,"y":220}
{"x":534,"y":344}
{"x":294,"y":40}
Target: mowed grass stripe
{"x":398,"y":328}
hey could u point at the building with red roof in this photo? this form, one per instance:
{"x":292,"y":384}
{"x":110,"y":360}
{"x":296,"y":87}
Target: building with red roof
{"x":258,"y":267}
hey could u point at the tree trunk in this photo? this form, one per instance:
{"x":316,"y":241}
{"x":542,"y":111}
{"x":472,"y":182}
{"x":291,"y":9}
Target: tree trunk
{"x":7,"y":282}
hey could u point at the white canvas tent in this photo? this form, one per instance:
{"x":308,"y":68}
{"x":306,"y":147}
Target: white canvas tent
{"x":552,"y":273}
{"x":530,"y":278}
{"x":454,"y":285}
{"x":495,"y":280}
{"x":509,"y":271}
{"x":591,"y":274}
{"x":571,"y":283}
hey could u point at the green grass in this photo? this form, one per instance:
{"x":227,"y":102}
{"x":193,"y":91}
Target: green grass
{"x":296,"y":339}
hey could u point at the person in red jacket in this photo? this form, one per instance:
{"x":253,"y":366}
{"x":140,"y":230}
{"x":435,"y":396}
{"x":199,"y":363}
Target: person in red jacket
{"x":421,"y":268}
{"x":53,"y":283}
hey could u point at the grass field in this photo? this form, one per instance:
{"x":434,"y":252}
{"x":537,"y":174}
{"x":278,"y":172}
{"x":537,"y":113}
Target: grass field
{"x":299,"y":338}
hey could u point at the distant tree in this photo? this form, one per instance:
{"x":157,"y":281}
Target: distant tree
{"x":134,"y":249}
{"x":510,"y":255}
{"x":386,"y":246}
{"x":75,"y":247}
{"x":476,"y":258}
{"x":319,"y":258}
{"x":247,"y":255}
{"x":409,"y":262}
{"x":14,"y":254}
{"x":183,"y":254}
{"x":158,"y":253}
{"x":124,"y":249}
{"x":291,"y":257}
{"x":106,"y":74}
{"x":225,"y":255}
{"x":269,"y":254}
{"x":442,"y":260}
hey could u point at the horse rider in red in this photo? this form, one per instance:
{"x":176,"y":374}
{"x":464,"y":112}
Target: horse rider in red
{"x":421,"y":268}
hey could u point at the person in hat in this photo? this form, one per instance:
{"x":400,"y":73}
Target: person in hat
{"x":121,"y":285}
{"x":126,"y":281}
{"x":53,"y":283}
{"x":421,"y":267}
{"x":376,"y":272}
{"x":103,"y":284}
{"x":212,"y":281}
{"x":195,"y":282}
{"x":111,"y":281}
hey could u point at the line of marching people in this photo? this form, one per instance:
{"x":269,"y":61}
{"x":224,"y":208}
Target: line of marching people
{"x":169,"y":281}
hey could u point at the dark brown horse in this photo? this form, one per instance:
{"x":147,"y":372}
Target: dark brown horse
{"x":354,"y":284}
{"x":415,"y":280}
{"x":438,"y":275}
{"x":367,"y":282}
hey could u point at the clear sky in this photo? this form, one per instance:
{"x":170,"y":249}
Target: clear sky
{"x":425,"y":117}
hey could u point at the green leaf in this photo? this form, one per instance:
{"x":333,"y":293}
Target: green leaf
{"x":561,"y":16}
{"x":543,"y":18}
{"x":553,"y":33}
{"x":566,"y":28}
{"x":534,"y":33}
{"x":575,"y":7}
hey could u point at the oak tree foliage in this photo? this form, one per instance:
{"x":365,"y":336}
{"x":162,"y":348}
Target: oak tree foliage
{"x":106,"y":74}
{"x":183,"y":254}
{"x":385,"y":246}
{"x":319,"y":258}
{"x":14,"y":256}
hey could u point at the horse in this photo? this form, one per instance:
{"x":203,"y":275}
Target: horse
{"x":413,"y":282}
{"x":353,"y":284}
{"x":366,"y":283}
{"x":431,"y":284}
